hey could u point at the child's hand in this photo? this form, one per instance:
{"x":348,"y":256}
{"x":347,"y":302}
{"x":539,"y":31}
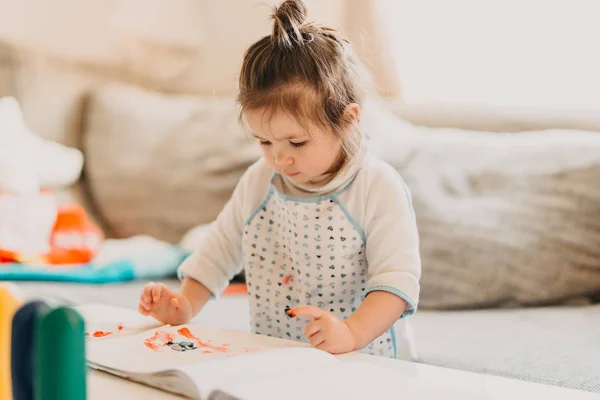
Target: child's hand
{"x":165,"y":305}
{"x":326,"y":332}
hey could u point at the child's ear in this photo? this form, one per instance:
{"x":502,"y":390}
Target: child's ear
{"x":352,"y":113}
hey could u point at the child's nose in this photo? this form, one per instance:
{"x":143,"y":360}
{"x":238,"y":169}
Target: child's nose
{"x":282,"y":159}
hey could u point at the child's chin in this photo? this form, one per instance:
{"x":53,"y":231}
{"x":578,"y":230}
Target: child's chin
{"x":300,"y":178}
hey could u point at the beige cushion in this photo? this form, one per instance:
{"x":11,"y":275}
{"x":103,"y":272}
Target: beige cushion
{"x":497,"y":119}
{"x":51,"y":94}
{"x":504,"y":219}
{"x":159,"y":164}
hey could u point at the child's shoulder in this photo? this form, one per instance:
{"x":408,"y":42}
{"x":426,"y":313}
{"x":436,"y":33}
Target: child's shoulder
{"x":379,"y":183}
{"x":257,"y":174}
{"x":378,"y":174}
{"x":253,"y":186}
{"x":378,"y":188}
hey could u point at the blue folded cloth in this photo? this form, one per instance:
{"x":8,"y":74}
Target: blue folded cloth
{"x":155,"y":263}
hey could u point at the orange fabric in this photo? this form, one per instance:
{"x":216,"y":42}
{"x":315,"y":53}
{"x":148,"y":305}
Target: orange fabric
{"x":7,"y":256}
{"x":75,"y":239}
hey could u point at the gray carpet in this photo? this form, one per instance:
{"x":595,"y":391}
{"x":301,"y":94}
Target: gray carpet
{"x":555,"y":346}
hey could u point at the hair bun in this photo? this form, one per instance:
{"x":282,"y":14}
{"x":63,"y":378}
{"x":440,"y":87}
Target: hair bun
{"x":287,"y":18}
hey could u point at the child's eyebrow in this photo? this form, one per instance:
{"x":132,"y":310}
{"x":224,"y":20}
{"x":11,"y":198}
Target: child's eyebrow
{"x":294,"y":136}
{"x":291,"y":136}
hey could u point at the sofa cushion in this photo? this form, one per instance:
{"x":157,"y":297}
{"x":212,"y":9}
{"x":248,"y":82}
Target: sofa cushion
{"x":160,"y":164}
{"x":504,"y":219}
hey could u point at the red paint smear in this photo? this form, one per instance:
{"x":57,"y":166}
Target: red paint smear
{"x":152,"y":345}
{"x":120,"y":327}
{"x":185,"y":332}
{"x":159,"y":336}
{"x":165,"y":336}
{"x":287,"y":279}
{"x":101,"y":334}
{"x":248,"y":350}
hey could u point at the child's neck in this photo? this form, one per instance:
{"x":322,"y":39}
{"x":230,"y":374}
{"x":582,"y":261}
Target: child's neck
{"x":339,"y":176}
{"x":321,"y":181}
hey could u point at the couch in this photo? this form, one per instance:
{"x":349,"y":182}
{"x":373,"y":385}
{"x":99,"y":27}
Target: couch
{"x":163,"y":172}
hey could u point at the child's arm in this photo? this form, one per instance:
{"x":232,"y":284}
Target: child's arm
{"x":216,"y":259}
{"x":394,"y":269}
{"x":173,"y":308}
{"x":375,"y":315}
{"x":196,"y":293}
{"x":204,"y":273}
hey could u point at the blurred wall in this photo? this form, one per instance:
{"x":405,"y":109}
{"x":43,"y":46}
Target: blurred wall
{"x":190,"y":46}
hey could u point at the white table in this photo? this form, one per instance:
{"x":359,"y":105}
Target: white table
{"x":102,"y":386}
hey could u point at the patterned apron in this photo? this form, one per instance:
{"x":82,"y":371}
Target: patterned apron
{"x":305,"y":251}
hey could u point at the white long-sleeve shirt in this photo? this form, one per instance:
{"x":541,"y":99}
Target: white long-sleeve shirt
{"x":328,"y":248}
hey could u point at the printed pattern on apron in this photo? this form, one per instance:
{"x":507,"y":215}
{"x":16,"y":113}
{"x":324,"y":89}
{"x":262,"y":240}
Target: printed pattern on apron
{"x":305,"y":251}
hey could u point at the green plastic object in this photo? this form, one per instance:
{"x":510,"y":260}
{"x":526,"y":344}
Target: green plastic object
{"x":60,"y":370}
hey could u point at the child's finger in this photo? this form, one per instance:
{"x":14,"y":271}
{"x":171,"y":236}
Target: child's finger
{"x":147,"y":299}
{"x":306,"y":311}
{"x":175,"y":303}
{"x":143,"y":301}
{"x":148,"y":287}
{"x":317,"y":339}
{"x":327,"y":345}
{"x":311,"y":328}
{"x":143,"y":310}
{"x":147,"y":292}
{"x":156,"y":293}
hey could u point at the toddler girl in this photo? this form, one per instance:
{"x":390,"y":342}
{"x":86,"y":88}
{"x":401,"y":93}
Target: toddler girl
{"x":325,"y":232}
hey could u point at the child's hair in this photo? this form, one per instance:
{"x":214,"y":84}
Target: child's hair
{"x":305,"y":70}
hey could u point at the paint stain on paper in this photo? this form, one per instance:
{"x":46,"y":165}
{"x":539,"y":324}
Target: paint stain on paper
{"x":249,"y":350}
{"x":165,"y":339}
{"x":98,"y":334}
{"x":158,"y":340}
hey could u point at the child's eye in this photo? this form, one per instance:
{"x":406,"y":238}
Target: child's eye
{"x":264,"y":143}
{"x":298,"y":144}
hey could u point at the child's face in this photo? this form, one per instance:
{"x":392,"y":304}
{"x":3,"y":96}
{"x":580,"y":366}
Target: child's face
{"x":290,"y":150}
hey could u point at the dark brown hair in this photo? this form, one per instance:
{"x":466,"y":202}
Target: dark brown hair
{"x":305,"y":70}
